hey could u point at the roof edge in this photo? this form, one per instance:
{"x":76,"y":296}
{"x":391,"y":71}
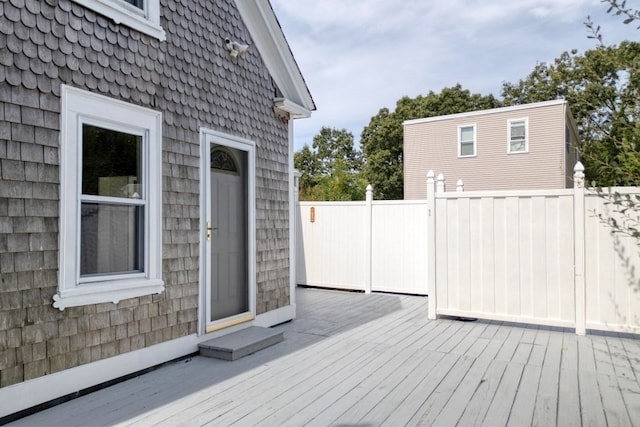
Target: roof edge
{"x":267,"y":35}
{"x":485,"y":112}
{"x":296,"y":111}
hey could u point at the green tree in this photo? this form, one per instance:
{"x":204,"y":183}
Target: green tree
{"x":624,"y":138}
{"x":382,"y":139}
{"x":602,"y":87}
{"x":306,"y":163}
{"x":330,"y":169}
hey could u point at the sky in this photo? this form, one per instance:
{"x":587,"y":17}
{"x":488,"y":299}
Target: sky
{"x":358,"y":56}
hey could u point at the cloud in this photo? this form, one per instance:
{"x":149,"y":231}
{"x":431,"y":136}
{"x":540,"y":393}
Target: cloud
{"x":358,"y":56}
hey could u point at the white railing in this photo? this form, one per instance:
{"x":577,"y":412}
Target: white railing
{"x":542,"y":257}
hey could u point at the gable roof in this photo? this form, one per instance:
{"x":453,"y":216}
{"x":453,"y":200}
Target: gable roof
{"x":267,"y":35}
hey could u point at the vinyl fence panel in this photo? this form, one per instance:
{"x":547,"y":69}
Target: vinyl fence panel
{"x":612,"y":269}
{"x":399,"y":251}
{"x":339,"y":249}
{"x":331,"y":246}
{"x":506,"y":256}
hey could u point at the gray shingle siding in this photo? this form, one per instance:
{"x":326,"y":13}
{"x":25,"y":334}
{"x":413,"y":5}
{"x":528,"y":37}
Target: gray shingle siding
{"x":193,"y":82}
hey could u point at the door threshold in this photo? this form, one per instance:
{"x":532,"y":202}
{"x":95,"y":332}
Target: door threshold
{"x":228,"y":323}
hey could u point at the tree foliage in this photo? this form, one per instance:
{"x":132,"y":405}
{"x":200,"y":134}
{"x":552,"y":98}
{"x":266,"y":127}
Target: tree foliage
{"x":330,"y":167}
{"x":624,"y":218}
{"x":382,"y":139}
{"x":602,"y":87}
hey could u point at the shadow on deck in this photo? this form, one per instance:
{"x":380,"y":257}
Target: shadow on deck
{"x":320,"y":314}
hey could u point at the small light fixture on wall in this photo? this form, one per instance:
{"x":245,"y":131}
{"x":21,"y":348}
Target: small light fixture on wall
{"x":236,"y":48}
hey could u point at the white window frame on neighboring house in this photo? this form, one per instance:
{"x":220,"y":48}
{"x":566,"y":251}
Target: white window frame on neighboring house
{"x":81,"y":107}
{"x":474,"y":142}
{"x":145,"y":19}
{"x":510,"y":140}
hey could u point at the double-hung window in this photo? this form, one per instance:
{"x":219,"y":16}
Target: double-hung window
{"x":467,"y":141}
{"x":110,"y":219}
{"x":518,"y":141}
{"x":141,"y":15}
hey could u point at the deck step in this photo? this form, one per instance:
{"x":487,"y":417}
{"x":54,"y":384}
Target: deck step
{"x":241,"y":343}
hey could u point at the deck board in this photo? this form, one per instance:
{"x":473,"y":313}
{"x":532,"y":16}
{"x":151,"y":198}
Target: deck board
{"x":525,"y":400}
{"x":412,"y":406}
{"x":500,"y":409}
{"x":376,"y":359}
{"x":476,"y":410}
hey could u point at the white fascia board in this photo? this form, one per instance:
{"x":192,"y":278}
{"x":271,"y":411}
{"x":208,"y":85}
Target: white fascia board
{"x":296,"y":111}
{"x":485,"y":112}
{"x":269,"y":39}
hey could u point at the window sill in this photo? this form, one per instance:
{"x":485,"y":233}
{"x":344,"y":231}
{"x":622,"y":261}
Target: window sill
{"x":518,"y":152}
{"x":114,"y":292}
{"x":121,"y":15}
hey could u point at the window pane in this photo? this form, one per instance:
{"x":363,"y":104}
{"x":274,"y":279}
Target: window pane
{"x":466,"y":134}
{"x":111,"y":163}
{"x":517,"y":145}
{"x":111,"y":239}
{"x":137,"y":3}
{"x":517,"y":130}
{"x":466,"y":149}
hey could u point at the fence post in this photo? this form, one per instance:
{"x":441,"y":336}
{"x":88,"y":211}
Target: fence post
{"x":368,"y":245}
{"x":459,"y":186}
{"x":579,"y":257}
{"x":431,"y":243}
{"x":439,"y":184}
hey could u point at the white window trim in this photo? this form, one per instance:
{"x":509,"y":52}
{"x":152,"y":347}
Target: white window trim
{"x":146,"y":21}
{"x":79,"y":106}
{"x":526,"y":135}
{"x":475,"y":140}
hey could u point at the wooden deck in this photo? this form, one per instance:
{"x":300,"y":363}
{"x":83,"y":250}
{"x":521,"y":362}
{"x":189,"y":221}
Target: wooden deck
{"x":367,"y":360}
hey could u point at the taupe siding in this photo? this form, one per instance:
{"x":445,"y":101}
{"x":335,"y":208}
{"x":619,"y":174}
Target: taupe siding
{"x":191,"y":80}
{"x":432,"y":145}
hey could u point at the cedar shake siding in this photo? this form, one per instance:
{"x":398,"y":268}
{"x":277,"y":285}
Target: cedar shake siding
{"x":191,"y":80}
{"x":432,"y":144}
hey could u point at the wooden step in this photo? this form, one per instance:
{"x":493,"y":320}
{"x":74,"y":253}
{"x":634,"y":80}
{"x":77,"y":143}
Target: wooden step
{"x":241,"y":343}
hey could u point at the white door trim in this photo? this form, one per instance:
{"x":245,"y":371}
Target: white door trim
{"x":207,"y":137}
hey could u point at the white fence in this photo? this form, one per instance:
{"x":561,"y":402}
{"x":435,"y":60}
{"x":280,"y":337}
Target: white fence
{"x":370,"y":245}
{"x":612,"y":271}
{"x":505,"y":256}
{"x":541,"y":257}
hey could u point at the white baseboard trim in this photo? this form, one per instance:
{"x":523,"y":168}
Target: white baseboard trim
{"x":275,"y":317}
{"x":30,"y":393}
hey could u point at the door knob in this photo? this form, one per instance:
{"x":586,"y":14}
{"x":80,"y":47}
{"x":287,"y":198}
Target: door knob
{"x":210,"y":229}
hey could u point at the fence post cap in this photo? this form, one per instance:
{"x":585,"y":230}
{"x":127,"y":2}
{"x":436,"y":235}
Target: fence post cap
{"x":579,"y":167}
{"x":431,"y":174}
{"x":369,"y":187}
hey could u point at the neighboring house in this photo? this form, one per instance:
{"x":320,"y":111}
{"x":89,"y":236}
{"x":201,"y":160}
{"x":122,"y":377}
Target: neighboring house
{"x":146,"y":184}
{"x":531,"y":146}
